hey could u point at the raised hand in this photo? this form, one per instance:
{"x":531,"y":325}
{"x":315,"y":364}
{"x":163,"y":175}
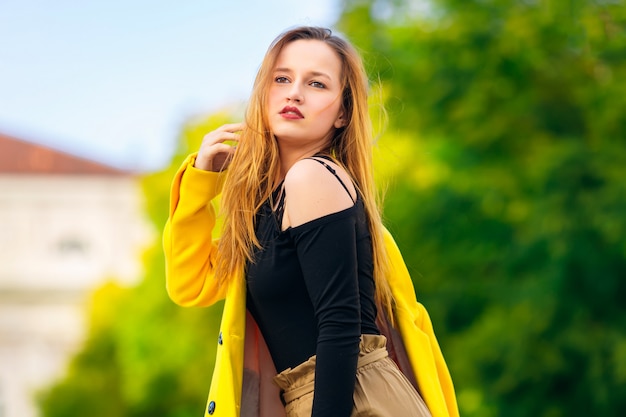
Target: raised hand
{"x":214,"y":154}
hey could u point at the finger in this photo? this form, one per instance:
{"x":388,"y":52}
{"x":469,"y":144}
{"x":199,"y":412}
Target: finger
{"x":207,"y":154}
{"x":219,"y":137}
{"x":219,"y":148}
{"x":232,"y":127}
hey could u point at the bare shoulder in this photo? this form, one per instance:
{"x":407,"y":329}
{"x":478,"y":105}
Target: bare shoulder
{"x":312,"y":191}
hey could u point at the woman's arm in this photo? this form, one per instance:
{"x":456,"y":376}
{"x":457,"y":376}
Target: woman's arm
{"x":190,"y":251}
{"x":324,"y":231}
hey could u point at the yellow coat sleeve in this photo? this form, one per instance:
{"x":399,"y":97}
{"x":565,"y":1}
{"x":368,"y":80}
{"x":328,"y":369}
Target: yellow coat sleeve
{"x":190,"y":250}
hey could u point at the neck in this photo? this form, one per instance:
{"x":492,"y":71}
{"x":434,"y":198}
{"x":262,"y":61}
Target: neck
{"x":289,"y":155}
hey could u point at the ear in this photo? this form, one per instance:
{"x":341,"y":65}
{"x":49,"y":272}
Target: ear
{"x":340,"y":121}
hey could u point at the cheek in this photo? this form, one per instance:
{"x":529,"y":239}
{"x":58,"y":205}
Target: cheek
{"x":271,"y":96}
{"x":331,"y":110}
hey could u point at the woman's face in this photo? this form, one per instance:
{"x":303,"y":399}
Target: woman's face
{"x":304,"y":101}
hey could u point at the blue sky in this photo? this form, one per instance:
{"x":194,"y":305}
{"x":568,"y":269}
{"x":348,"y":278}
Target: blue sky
{"x":115,"y":80}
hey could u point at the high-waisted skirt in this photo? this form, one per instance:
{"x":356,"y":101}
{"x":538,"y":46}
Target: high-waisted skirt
{"x":381,"y":389}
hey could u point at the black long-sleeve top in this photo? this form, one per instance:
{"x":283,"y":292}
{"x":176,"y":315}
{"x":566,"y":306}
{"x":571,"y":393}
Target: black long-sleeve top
{"x":311,"y":291}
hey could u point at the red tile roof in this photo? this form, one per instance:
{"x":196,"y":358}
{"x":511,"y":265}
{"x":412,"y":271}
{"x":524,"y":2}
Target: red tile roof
{"x":21,"y":157}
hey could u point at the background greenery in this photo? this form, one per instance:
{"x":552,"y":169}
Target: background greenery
{"x":504,"y":157}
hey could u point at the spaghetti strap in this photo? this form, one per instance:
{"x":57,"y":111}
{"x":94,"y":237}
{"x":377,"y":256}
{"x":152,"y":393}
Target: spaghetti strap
{"x":278,"y":207}
{"x":332,"y":171}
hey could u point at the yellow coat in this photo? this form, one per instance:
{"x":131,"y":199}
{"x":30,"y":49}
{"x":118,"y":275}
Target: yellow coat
{"x":242,"y":362}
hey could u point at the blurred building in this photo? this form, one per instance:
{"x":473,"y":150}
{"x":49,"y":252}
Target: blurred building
{"x":66,"y":225}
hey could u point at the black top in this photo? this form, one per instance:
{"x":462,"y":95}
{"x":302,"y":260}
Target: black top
{"x":311,"y":292}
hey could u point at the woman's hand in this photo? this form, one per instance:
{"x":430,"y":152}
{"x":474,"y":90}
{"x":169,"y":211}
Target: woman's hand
{"x":215,"y":155}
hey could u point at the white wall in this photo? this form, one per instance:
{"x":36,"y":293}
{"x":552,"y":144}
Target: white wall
{"x":60,"y":237}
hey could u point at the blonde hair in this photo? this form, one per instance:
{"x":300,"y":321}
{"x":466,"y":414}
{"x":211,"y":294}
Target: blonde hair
{"x":254,"y":170}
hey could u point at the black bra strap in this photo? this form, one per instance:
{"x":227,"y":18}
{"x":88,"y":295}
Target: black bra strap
{"x":332,"y":171}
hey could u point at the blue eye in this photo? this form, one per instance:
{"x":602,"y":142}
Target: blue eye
{"x":317,"y":84}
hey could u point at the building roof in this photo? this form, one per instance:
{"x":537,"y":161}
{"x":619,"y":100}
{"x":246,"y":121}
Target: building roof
{"x":18,"y":156}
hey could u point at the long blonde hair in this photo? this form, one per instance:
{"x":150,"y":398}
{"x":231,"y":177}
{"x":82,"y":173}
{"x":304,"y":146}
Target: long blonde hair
{"x":254,"y":170}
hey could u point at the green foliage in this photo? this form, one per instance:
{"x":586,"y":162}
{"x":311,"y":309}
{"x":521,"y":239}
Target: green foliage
{"x":89,"y":385}
{"x":507,"y":118}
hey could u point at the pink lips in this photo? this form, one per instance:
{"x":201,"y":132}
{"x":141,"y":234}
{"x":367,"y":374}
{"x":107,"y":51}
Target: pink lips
{"x":290,"y":112}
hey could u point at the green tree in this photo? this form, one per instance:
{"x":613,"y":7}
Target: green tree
{"x":506,"y":141}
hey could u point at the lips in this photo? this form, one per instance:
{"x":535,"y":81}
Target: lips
{"x":291,"y":112}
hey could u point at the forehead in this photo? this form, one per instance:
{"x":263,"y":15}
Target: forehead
{"x":309,"y":55}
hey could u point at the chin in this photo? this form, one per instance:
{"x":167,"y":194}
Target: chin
{"x":287,"y":134}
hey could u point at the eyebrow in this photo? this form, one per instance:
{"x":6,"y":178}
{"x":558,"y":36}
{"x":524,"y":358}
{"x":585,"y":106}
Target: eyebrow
{"x":313,"y":73}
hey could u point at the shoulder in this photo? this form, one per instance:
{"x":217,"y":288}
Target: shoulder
{"x":313,"y":191}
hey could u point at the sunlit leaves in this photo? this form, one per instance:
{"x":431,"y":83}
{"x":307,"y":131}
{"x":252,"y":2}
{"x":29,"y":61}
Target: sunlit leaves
{"x":506,"y":129}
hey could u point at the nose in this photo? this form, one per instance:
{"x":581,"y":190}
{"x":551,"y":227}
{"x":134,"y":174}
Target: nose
{"x":295,"y":93}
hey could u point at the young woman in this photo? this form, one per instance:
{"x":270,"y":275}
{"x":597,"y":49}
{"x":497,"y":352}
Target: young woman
{"x":311,"y":278}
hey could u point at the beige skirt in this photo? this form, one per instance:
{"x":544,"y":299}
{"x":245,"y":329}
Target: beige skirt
{"x":381,"y":390}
